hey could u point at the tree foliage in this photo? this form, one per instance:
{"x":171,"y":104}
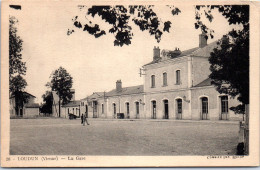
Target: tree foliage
{"x":61,"y":82}
{"x":17,"y":67}
{"x":47,"y":105}
{"x":119,"y":18}
{"x":230,"y":61}
{"x":17,"y":83}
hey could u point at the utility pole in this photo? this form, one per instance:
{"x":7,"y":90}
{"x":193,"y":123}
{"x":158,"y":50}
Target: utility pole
{"x":59,"y":106}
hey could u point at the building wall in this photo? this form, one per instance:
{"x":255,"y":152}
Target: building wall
{"x":121,"y":101}
{"x":214,"y":104}
{"x":31,"y":112}
{"x":200,"y":69}
{"x":170,"y":67}
{"x":171,"y":96}
{"x":65,"y":111}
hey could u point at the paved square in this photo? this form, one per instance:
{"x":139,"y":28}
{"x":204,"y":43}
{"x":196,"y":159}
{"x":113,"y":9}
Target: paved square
{"x":122,"y":137}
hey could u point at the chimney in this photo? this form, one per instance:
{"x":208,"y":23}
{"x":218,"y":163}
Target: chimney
{"x":118,"y":86}
{"x":202,"y":40}
{"x":156,"y":53}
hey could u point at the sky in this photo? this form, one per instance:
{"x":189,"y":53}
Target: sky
{"x":95,"y":63}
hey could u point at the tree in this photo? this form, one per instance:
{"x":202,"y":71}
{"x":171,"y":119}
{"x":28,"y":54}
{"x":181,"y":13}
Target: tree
{"x":16,"y":88}
{"x":118,"y":17}
{"x":47,"y":105}
{"x":230,"y":61}
{"x":17,"y":67}
{"x":61,"y":82}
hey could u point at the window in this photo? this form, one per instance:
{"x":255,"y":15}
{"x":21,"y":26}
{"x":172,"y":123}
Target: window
{"x":178,"y":77}
{"x":153,"y":81}
{"x":224,"y":104}
{"x":204,"y":102}
{"x":179,"y":106}
{"x":164,"y":79}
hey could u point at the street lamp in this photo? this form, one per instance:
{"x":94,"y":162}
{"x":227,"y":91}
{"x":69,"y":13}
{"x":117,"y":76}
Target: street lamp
{"x":141,"y":102}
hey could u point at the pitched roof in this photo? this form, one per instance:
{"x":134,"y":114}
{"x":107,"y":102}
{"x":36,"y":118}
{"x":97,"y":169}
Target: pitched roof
{"x":32,"y":105}
{"x":94,"y":95}
{"x":205,"y":51}
{"x":25,"y":93}
{"x":197,"y":51}
{"x":206,"y":82}
{"x":72,"y":104}
{"x":126,"y":91}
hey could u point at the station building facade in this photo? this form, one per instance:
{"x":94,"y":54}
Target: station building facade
{"x":176,"y":86}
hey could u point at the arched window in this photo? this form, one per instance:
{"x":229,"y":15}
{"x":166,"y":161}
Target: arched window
{"x":179,"y":106}
{"x":164,"y":79}
{"x":153,"y":81}
{"x":178,"y":77}
{"x":224,"y":107}
{"x":224,"y":104}
{"x":204,"y":102}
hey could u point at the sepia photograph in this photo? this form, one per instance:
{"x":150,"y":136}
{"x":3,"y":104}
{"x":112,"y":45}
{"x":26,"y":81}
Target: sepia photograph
{"x":94,"y":83}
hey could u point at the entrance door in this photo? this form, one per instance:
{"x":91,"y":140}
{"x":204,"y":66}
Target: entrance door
{"x":204,"y":108}
{"x":224,"y":108}
{"x":127,"y":111}
{"x":166,"y":109}
{"x":95,"y":109}
{"x":153,"y":109}
{"x":137,"y":110}
{"x":179,"y":108}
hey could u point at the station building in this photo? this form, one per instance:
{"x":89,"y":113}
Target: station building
{"x":176,"y":86}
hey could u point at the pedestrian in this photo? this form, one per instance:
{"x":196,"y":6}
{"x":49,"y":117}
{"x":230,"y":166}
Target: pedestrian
{"x":86,"y":120}
{"x":81,"y":118}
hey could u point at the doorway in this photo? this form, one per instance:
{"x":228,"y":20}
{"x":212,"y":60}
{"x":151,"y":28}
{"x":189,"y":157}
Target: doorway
{"x":127,"y":111}
{"x":137,"y":110}
{"x":179,"y":108}
{"x":204,"y":108}
{"x":224,"y":108}
{"x":153,"y":109}
{"x":95,"y":115}
{"x":166,"y":109}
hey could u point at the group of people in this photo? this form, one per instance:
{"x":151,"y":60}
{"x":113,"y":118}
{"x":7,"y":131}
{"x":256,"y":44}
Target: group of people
{"x":84,"y":119}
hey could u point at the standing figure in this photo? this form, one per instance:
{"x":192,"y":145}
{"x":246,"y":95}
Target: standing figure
{"x":81,"y":118}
